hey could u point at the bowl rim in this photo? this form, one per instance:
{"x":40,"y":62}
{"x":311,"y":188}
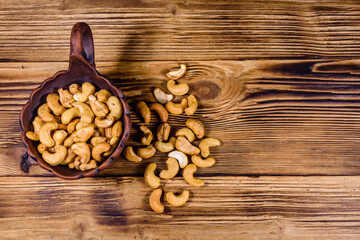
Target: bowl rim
{"x":126,"y":119}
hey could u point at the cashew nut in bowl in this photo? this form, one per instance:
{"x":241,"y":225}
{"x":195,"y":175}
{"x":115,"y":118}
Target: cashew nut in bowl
{"x":206,"y":143}
{"x":87,"y":166}
{"x":163,"y":132}
{"x":116,"y":132}
{"x":188,"y":175}
{"x":45,"y":131}
{"x":176,"y":74}
{"x":196,"y":126}
{"x":86,"y":90}
{"x":83,"y":134}
{"x":180,"y":157}
{"x":55,"y":158}
{"x":163,"y":114}
{"x":100,"y":109}
{"x":75,"y":164}
{"x":144,"y":111}
{"x":192,"y":105}
{"x":154,"y":201}
{"x":37,"y":123}
{"x":150,"y":178}
{"x":100,"y":149}
{"x":176,"y":108}
{"x":203,"y":163}
{"x":177,"y":89}
{"x":108,"y":132}
{"x":165,"y":146}
{"x":41,"y":148}
{"x":104,"y":122}
{"x":32,"y":136}
{"x":161,"y":96}
{"x":130,"y":155}
{"x":86,"y":114}
{"x":62,"y":126}
{"x":179,"y":200}
{"x":103,"y":95}
{"x":74,"y":88}
{"x":173,"y":168}
{"x":96,"y":140}
{"x":183,"y":145}
{"x":69,"y":115}
{"x":44,"y":113}
{"x":115,"y":107}
{"x":147,"y":135}
{"x":59,"y":137}
{"x":82,"y":150}
{"x":146,"y":152}
{"x":185,"y":132}
{"x":66,"y":98}
{"x":52,"y":101}
{"x":70,"y":156}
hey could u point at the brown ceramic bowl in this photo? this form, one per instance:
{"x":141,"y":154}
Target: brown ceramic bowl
{"x":81,"y":69}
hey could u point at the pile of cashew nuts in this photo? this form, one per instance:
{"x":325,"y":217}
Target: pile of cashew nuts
{"x":178,"y":147}
{"x":78,"y":127}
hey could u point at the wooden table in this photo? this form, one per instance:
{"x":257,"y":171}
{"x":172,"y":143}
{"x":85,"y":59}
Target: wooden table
{"x":278,"y":83}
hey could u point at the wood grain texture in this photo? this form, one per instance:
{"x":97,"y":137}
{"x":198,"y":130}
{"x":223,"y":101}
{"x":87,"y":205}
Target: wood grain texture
{"x":240,"y":207}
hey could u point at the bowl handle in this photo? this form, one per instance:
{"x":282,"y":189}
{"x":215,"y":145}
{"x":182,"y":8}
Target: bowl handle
{"x":81,"y":43}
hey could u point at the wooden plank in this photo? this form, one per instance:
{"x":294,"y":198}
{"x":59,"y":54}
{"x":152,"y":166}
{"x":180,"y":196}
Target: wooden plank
{"x":39,"y":30}
{"x":242,"y":207}
{"x":273,"y":117}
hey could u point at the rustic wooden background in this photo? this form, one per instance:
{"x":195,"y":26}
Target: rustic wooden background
{"x":278,"y":82}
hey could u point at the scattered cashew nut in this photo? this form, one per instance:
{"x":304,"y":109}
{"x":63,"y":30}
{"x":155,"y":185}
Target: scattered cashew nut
{"x":130,"y":155}
{"x":176,"y":74}
{"x":163,"y":114}
{"x":196,"y":126}
{"x":146,"y":152}
{"x":150,"y":178}
{"x":177,"y":89}
{"x":188,"y":175}
{"x":183,"y":145}
{"x":147,"y":135}
{"x":179,"y":200}
{"x":154,"y":201}
{"x":180,"y":157}
{"x":176,"y":108}
{"x":173,"y":168}
{"x":185,"y":132}
{"x":192,"y":105}
{"x":161,"y":96}
{"x":163,"y":132}
{"x":206,"y":143}
{"x":144,"y":111}
{"x":203,"y":163}
{"x":165,"y":146}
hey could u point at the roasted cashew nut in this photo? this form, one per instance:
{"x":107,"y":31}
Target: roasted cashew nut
{"x":37,"y":123}
{"x":86,"y":114}
{"x":104,"y":122}
{"x":130,"y":155}
{"x":69,"y":115}
{"x":146,"y":152}
{"x":163,"y":114}
{"x":163,"y":132}
{"x":96,"y":140}
{"x":86,"y":90}
{"x":76,"y":163}
{"x":176,"y":108}
{"x":100,"y":149}
{"x":82,"y":150}
{"x":165,"y":146}
{"x":108,"y":132}
{"x":45,"y":133}
{"x":62,"y":126}
{"x":52,"y":101}
{"x":103,"y":95}
{"x":71,"y":127}
{"x":185,"y":132}
{"x":183,"y":145}
{"x":173,"y":168}
{"x":99,"y":108}
{"x":147,"y":135}
{"x":192,"y":105}
{"x":179,"y":200}
{"x":115,"y":107}
{"x":206,"y":143}
{"x":66,"y":98}
{"x":55,"y":158}
{"x":161,"y":96}
{"x":176,"y":74}
{"x":150,"y":178}
{"x":203,"y":163}
{"x":74,"y":88}
{"x":59,"y":137}
{"x":188,"y":175}
{"x":116,"y":132}
{"x":144,"y":111}
{"x":196,"y":126}
{"x":83,"y":134}
{"x":177,"y":89}
{"x":87,"y":166}
{"x":44,"y":113}
{"x":41,"y":148}
{"x":32,"y":136}
{"x":70,"y":156}
{"x":180,"y":157}
{"x":154,"y":201}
